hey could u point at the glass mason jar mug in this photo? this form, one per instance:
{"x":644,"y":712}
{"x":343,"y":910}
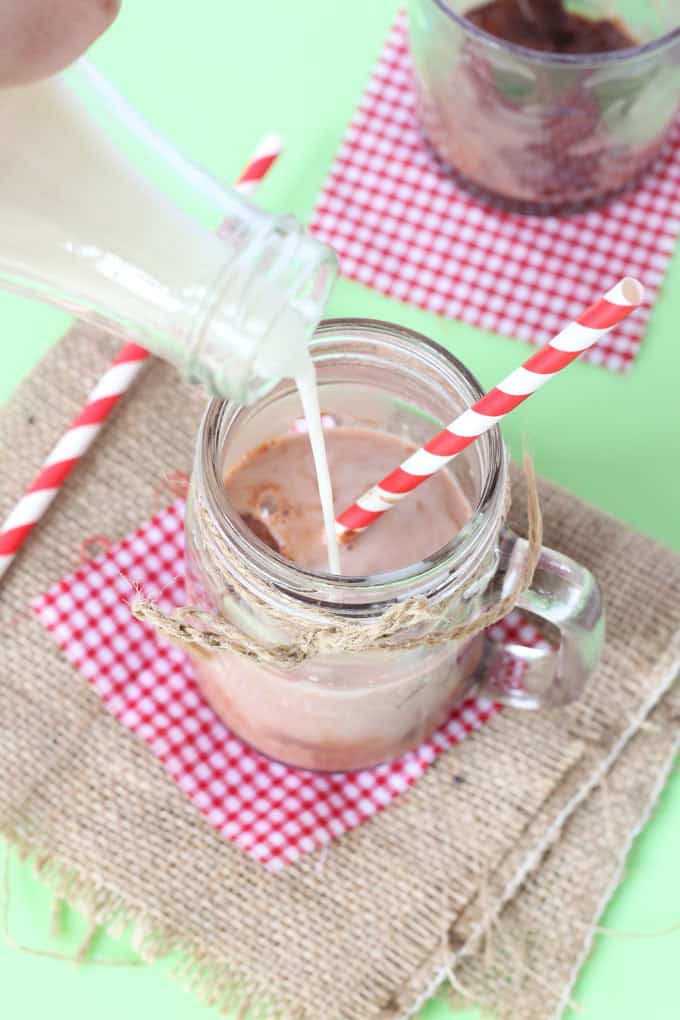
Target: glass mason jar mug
{"x":355,"y":709}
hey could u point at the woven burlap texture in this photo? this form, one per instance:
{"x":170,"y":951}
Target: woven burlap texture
{"x":530,"y":957}
{"x":369,"y":932}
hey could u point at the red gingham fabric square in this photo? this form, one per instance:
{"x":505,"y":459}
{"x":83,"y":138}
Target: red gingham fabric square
{"x":271,"y":811}
{"x":401,"y":225}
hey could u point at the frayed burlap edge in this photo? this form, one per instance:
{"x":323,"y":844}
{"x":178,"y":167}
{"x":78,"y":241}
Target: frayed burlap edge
{"x":439,"y":970}
{"x":523,"y":972}
{"x":618,"y":873}
{"x":216,"y":984}
{"x":210,"y":979}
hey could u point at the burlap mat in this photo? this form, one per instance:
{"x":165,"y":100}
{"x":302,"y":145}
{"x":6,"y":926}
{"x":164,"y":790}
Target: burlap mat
{"x":370,"y":931}
{"x":527,"y":965}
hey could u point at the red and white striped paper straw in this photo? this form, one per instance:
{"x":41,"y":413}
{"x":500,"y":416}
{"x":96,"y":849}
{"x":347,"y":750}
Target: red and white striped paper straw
{"x":260,"y":163}
{"x":68,"y":451}
{"x":578,"y":336}
{"x":115,"y":382}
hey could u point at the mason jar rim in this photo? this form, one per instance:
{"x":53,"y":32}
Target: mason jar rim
{"x":444,"y":568}
{"x":564,"y":59}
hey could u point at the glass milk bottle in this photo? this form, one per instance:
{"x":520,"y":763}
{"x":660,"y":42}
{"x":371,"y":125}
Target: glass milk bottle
{"x":106,"y":219}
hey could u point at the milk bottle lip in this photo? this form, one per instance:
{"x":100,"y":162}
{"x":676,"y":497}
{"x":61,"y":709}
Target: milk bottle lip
{"x":373,"y":343}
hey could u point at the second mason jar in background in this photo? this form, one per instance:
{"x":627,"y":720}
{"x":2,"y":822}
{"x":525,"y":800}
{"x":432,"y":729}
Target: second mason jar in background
{"x":540,"y":128}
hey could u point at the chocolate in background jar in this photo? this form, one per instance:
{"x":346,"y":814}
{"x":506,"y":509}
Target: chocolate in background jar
{"x":547,"y":25}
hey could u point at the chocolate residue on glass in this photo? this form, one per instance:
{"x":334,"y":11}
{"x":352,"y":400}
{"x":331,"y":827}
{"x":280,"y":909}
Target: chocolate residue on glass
{"x":260,"y":530}
{"x":546,"y":25}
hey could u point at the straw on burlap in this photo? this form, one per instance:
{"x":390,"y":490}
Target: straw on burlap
{"x":398,"y":896}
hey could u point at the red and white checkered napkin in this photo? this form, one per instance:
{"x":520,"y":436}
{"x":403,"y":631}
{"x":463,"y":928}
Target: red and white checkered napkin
{"x":401,"y":225}
{"x":273,"y":812}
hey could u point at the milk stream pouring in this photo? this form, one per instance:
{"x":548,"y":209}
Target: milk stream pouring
{"x":103,"y":217}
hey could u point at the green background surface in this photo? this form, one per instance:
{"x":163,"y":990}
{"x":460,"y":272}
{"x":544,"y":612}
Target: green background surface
{"x":215,"y":76}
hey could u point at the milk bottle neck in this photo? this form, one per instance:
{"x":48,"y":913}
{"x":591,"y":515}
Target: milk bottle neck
{"x":103,"y":217}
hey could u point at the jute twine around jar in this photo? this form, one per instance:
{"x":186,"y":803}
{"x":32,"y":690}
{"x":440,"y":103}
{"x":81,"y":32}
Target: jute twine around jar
{"x":413,"y":623}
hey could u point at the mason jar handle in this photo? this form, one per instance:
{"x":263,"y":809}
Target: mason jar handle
{"x":566,"y":596}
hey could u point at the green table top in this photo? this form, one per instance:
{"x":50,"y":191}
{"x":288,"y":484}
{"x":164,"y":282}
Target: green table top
{"x":214,"y":77}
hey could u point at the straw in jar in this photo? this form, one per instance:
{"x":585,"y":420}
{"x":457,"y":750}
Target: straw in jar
{"x":578,"y":336}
